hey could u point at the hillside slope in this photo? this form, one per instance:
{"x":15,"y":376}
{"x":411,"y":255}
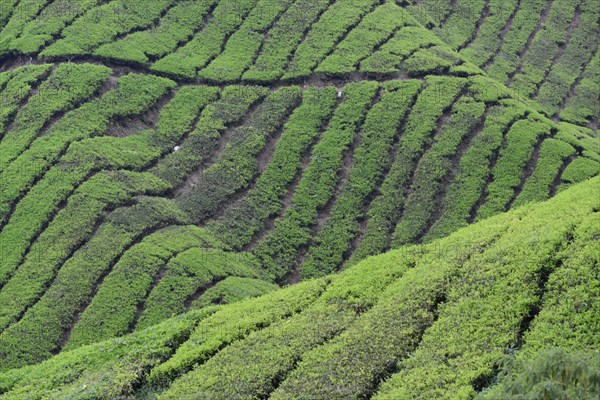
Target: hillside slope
{"x":439,"y":317}
{"x":98,"y":205}
{"x":155,"y":159}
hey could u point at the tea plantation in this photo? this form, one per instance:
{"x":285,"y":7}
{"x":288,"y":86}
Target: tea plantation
{"x":423,"y":321}
{"x":299,"y":199}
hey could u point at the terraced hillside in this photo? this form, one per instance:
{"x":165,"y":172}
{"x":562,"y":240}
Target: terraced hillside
{"x":437,"y":318}
{"x":166,"y":156}
{"x":544,"y":50}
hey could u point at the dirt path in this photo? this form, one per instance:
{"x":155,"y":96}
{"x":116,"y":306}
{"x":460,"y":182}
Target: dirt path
{"x":558,"y":179}
{"x":286,"y":201}
{"x":560,"y":52}
{"x":485,"y":13}
{"x":492,"y":164}
{"x":575,"y":84}
{"x":194,"y":177}
{"x":450,"y":176}
{"x":447,"y":16}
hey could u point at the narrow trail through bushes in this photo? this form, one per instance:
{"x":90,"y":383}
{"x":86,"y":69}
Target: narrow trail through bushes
{"x":505,"y":29}
{"x":314,"y":79}
{"x":208,"y":17}
{"x":452,"y":8}
{"x":347,"y":161}
{"x":194,"y":177}
{"x":34,"y":88}
{"x":575,"y":85}
{"x":523,"y":52}
{"x":226,"y":38}
{"x":449,"y":178}
{"x":324,"y":213}
{"x":441,"y":123}
{"x":558,"y":179}
{"x":305,"y":33}
{"x":392,"y":157}
{"x":141,"y":306}
{"x":134,"y":124}
{"x":392,"y":154}
{"x":262,"y":161}
{"x":200,"y":291}
{"x":286,"y":203}
{"x":560,"y":52}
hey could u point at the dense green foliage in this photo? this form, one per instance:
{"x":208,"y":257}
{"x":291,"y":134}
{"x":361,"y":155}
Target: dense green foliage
{"x":325,"y":33}
{"x":565,"y":326}
{"x":234,"y":323}
{"x":544,"y":50}
{"x":21,"y":14}
{"x":375,"y":29}
{"x":168,"y":168}
{"x":76,"y":280}
{"x":102,"y":24}
{"x":135,"y":94}
{"x":232,"y":289}
{"x":193,"y":272}
{"x":129,"y":281}
{"x":241,"y":48}
{"x":583,"y":105}
{"x":47,"y":24}
{"x":519,"y":145}
{"x":417,"y":131}
{"x":280,"y":42}
{"x":552,"y":374}
{"x":206,"y":44}
{"x":553,"y":154}
{"x":434,"y":168}
{"x":175,"y":26}
{"x":199,"y":145}
{"x":388,"y":58}
{"x":473,"y":169}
